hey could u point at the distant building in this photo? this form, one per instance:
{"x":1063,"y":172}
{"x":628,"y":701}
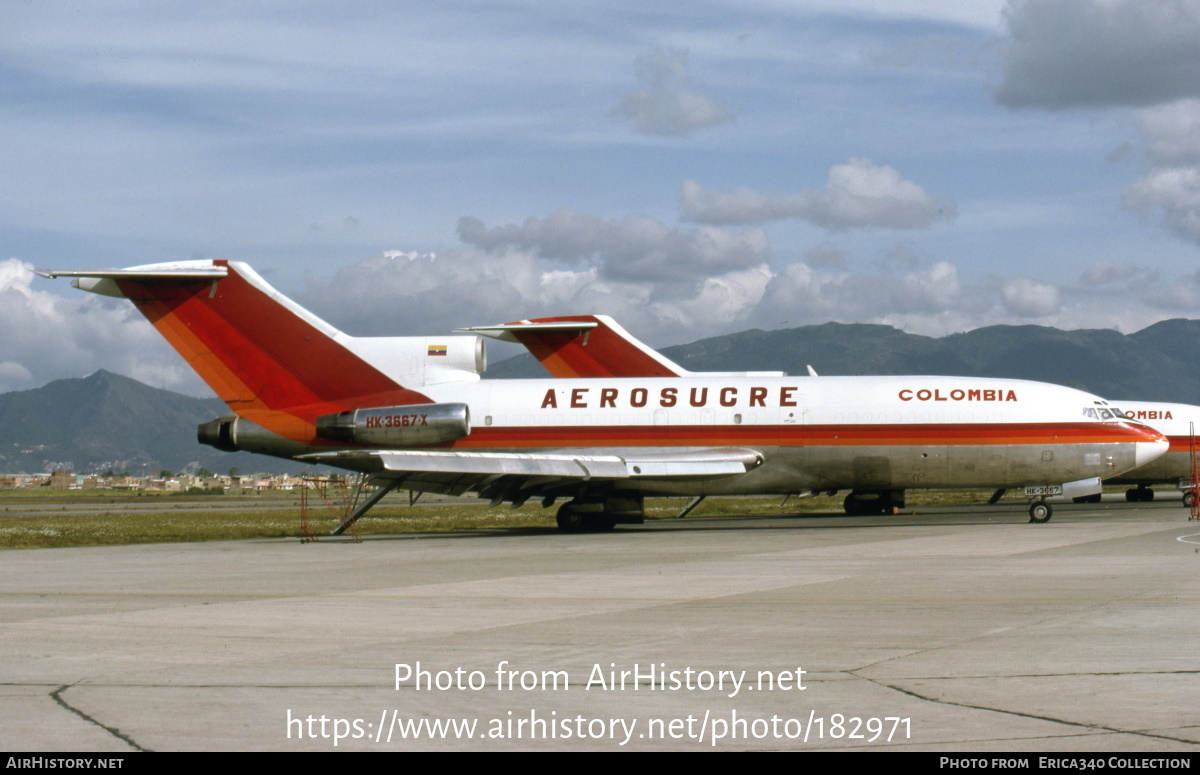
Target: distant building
{"x":61,"y":480}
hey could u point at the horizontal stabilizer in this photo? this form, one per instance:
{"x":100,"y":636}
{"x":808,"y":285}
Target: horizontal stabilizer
{"x":157,"y":272}
{"x":104,"y":281}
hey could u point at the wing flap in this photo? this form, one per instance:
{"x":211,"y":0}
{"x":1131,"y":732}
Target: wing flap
{"x":458,"y":472}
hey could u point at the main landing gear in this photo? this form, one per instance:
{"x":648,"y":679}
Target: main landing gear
{"x":1139,"y":494}
{"x":599,"y":516}
{"x":862,"y":503}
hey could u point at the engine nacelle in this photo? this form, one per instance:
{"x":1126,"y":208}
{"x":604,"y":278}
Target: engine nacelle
{"x":397,"y":426}
{"x":232,"y":434}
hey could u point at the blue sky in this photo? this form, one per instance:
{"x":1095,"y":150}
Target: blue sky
{"x":691,"y":169}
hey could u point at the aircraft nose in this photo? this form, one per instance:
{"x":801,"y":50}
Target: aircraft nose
{"x":1146,"y":451}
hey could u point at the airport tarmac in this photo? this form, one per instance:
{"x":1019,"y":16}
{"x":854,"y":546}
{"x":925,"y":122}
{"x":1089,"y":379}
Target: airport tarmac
{"x":954,"y":629}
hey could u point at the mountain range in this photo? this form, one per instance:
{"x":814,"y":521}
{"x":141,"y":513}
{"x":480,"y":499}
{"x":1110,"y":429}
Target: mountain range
{"x":1154,"y":364}
{"x":109,"y":422}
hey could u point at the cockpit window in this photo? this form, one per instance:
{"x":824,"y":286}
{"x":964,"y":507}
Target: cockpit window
{"x":1090,"y":413}
{"x":1105,"y":414}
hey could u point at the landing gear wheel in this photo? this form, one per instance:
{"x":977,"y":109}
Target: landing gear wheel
{"x":862,"y":505}
{"x":1040,"y":512}
{"x":571,"y":519}
{"x":1189,"y":499}
{"x":1139,"y":494}
{"x":599,"y":523}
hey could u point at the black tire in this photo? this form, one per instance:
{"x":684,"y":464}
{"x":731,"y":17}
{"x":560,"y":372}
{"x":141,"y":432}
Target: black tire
{"x":570,"y":519}
{"x":599,"y":523}
{"x":1189,"y":499}
{"x":1040,"y":512}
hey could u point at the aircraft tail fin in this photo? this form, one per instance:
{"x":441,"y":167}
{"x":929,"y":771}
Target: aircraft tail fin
{"x":584,"y":346}
{"x":594,"y":346}
{"x":255,"y":348}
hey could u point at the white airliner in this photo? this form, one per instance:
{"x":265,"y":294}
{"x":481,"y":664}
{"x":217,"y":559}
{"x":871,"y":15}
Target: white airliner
{"x":1179,"y":423}
{"x":595,"y":345}
{"x":411,"y":412}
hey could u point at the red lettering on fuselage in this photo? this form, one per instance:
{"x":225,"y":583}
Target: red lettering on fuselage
{"x":1150,"y":414}
{"x":956,"y":394}
{"x":787,"y":396}
{"x":667,"y":397}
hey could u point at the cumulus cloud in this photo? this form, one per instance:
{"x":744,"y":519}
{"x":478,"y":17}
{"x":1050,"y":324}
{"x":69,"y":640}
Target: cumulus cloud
{"x":1141,"y":54}
{"x":1171,"y":186}
{"x":801,"y":294}
{"x":825,"y":256}
{"x":1175,"y":191}
{"x":1103,"y":273}
{"x":48,"y":337}
{"x":400,"y":295}
{"x":1099,"y":53}
{"x":633,"y":248}
{"x":1030,"y":299}
{"x":1171,"y":132}
{"x":857,"y":194}
{"x":668,"y":101}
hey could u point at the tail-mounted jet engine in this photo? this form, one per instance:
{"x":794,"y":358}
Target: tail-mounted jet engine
{"x":397,"y":426}
{"x":232,"y":433}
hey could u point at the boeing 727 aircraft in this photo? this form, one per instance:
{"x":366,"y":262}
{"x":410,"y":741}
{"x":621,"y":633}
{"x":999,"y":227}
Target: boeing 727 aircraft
{"x":411,"y":412}
{"x":1179,"y":423}
{"x":595,"y":345}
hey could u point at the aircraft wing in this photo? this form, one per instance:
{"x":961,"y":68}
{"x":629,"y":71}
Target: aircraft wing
{"x":516,"y":476}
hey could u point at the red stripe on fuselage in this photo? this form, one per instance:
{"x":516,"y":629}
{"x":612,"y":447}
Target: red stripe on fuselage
{"x":1181,"y":444}
{"x":803,"y":435}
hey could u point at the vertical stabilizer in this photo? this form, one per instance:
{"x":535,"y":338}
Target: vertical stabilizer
{"x":258,"y":350}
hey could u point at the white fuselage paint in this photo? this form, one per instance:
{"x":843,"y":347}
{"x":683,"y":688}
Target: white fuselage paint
{"x":1178,"y":422}
{"x":824,"y":433}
